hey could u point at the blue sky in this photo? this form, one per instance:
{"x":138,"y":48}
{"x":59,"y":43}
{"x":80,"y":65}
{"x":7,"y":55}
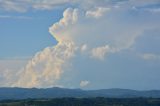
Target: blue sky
{"x":25,"y":36}
{"x":90,"y":44}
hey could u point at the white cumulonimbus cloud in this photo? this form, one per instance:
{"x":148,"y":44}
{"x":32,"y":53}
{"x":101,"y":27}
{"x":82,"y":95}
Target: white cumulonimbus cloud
{"x":46,"y":67}
{"x":98,"y":31}
{"x":95,"y":31}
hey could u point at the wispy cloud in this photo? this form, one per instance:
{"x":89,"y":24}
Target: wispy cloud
{"x":150,"y":56}
{"x":14,"y":5}
{"x":25,"y":5}
{"x":98,"y":12}
{"x":152,"y":7}
{"x":16,"y":58}
{"x":100,"y":52}
{"x":9,"y":69}
{"x":84,"y":83}
{"x":15,"y":17}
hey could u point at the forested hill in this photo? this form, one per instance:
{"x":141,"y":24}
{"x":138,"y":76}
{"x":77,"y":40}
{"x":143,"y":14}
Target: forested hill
{"x":24,"y":93}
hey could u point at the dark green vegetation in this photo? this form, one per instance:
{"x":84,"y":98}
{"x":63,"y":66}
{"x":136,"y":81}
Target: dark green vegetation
{"x":77,"y":97}
{"x":35,"y":93}
{"x":84,"y":102}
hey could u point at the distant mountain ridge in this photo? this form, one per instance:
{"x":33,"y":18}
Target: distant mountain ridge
{"x":55,"y":92}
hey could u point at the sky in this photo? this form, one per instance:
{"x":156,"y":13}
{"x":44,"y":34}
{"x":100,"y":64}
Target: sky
{"x":87,"y":44}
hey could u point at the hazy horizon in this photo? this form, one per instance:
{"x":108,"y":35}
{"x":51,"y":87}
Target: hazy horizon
{"x":87,"y":44}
